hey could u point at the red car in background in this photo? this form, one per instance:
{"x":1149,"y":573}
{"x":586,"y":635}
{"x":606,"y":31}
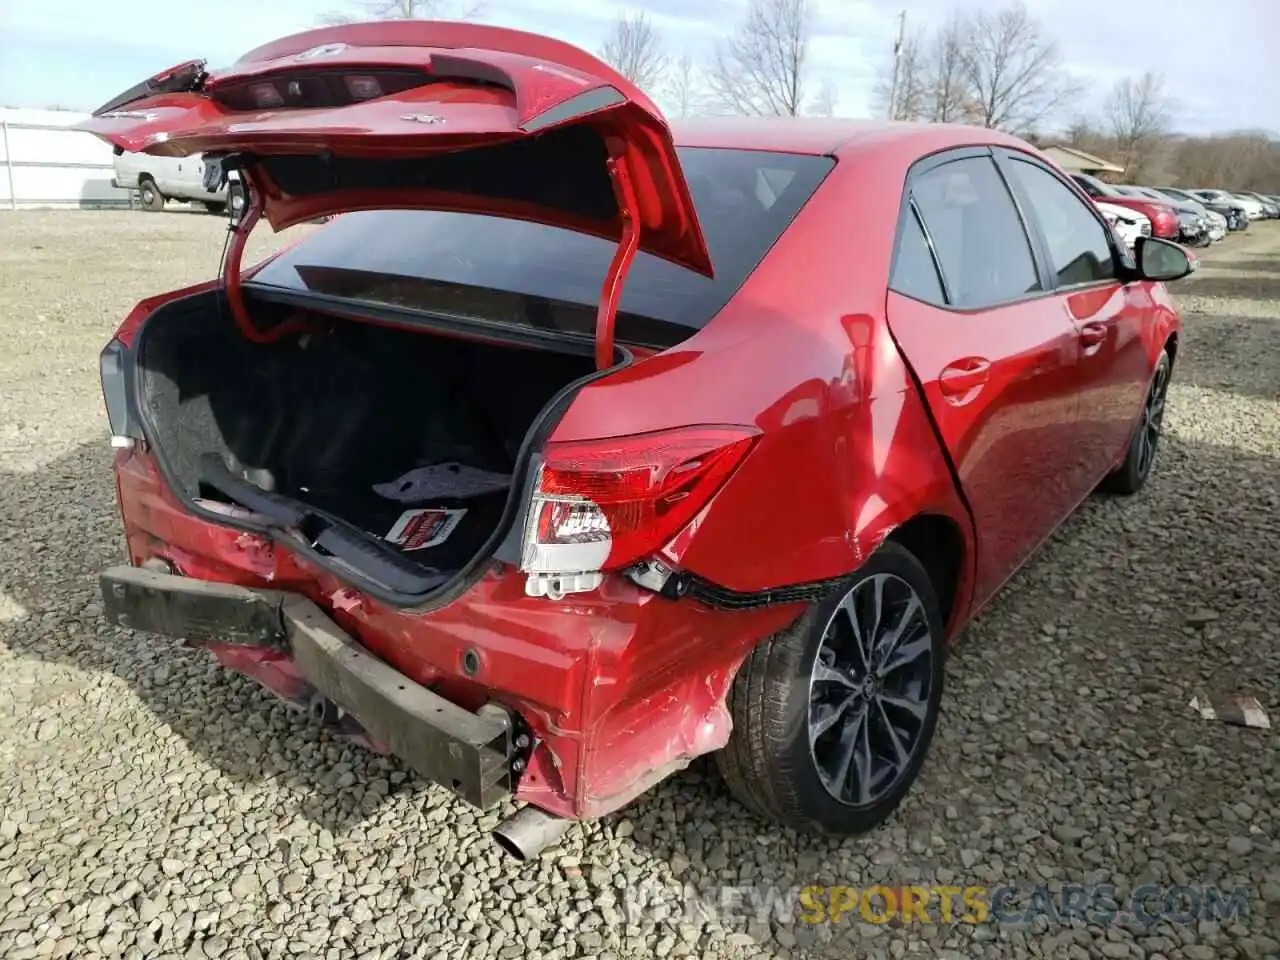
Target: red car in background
{"x":574,"y":449}
{"x":1163,"y":217}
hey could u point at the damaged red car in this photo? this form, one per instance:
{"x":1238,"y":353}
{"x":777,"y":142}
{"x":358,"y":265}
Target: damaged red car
{"x":572,"y":449}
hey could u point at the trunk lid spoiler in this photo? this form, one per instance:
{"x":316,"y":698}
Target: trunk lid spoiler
{"x":426,"y":115}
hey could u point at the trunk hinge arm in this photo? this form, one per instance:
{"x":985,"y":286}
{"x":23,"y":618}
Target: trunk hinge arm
{"x":628,"y":243}
{"x":255,"y":202}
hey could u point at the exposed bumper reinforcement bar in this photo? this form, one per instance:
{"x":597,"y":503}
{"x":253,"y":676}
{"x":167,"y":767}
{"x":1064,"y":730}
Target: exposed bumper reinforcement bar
{"x":468,"y":753}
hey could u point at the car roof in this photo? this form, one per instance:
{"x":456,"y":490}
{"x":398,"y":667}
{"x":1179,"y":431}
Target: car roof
{"x":822,"y":136}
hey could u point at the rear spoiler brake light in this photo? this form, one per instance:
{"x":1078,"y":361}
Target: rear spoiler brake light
{"x":186,"y":77}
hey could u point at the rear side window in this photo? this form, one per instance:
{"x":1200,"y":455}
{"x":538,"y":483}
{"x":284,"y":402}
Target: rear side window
{"x":915,"y":273}
{"x":977,"y":232}
{"x":1078,"y":246}
{"x":1087,"y":185}
{"x":530,"y":274}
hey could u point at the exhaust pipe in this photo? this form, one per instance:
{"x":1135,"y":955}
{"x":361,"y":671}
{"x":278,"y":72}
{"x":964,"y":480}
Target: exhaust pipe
{"x":529,"y":831}
{"x":324,"y":711}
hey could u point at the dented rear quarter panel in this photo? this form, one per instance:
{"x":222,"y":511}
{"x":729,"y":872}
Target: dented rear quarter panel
{"x":802,"y":352}
{"x":619,"y":687}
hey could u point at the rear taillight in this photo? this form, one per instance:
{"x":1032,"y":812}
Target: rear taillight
{"x":116,"y":379}
{"x":603,"y":505}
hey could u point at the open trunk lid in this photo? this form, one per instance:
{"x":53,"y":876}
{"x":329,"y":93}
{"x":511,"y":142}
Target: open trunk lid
{"x":428,"y":115}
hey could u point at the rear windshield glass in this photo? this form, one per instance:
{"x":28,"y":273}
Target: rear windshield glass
{"x":546,"y":277}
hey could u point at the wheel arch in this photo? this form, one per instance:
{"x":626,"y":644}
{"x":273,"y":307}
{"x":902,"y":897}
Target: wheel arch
{"x":939,"y":543}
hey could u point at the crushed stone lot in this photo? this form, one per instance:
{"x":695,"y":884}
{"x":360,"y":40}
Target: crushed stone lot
{"x":152,"y":804}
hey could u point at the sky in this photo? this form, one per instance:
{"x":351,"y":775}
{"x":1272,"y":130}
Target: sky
{"x":1218,"y":57}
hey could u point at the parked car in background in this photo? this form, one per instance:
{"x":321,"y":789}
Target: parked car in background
{"x":1257,"y":209}
{"x":421,"y":475}
{"x":158,"y":179}
{"x":1193,"y":219}
{"x":1234,"y":213}
{"x":1164,"y":219}
{"x":1217,"y":225}
{"x":1270,"y":209}
{"x":1252,"y":208}
{"x":1128,"y":224}
{"x":1193,"y":229}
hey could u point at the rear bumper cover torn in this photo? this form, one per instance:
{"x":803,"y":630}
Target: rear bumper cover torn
{"x":469,"y":753}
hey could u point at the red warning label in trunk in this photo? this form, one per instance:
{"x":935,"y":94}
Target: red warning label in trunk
{"x":420,"y":529}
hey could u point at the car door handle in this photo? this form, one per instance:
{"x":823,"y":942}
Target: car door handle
{"x":962,"y":377}
{"x":1093,"y":334}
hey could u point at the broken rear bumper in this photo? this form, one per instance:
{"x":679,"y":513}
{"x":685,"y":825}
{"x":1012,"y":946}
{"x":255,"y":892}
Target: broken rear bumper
{"x":610,"y":691}
{"x":470,"y":753}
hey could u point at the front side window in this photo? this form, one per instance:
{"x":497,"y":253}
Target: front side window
{"x":979,"y":238}
{"x":1078,"y":246}
{"x":1084,"y":185}
{"x":1094,"y":188}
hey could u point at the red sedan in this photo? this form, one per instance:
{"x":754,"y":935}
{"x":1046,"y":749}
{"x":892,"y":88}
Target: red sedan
{"x":572,"y":449}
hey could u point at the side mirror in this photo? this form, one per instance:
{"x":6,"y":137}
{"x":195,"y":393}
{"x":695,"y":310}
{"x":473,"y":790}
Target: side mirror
{"x":1163,"y":260}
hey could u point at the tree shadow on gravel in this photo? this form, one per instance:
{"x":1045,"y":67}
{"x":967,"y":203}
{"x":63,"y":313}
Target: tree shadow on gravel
{"x":1260,"y":265}
{"x":1229,"y":351}
{"x":61,"y":523}
{"x":1230,"y":354}
{"x":1236,"y":287}
{"x":1033,"y":728}
{"x":1066,"y":713}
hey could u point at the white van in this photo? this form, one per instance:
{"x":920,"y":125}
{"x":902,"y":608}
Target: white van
{"x":158,"y":179}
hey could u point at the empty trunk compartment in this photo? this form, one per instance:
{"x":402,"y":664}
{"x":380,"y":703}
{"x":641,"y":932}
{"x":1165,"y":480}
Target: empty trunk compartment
{"x":391,"y":449}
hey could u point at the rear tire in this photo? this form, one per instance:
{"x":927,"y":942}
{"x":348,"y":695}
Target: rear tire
{"x":1131,"y":476}
{"x":215,"y":206}
{"x":833,"y":716}
{"x":152,"y":198}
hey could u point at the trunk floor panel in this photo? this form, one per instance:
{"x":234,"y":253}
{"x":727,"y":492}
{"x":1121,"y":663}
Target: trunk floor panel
{"x":335,"y":411}
{"x":378,"y":516}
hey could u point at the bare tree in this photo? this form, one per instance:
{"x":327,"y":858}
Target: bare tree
{"x":945,"y":78}
{"x":1013,"y":72}
{"x":634,"y":48}
{"x":1084,"y":135}
{"x":912,"y":91}
{"x":913,"y":82}
{"x":1138,"y":108}
{"x":1138,"y":112}
{"x":683,"y":89}
{"x":1232,"y":161}
{"x":1246,"y":160}
{"x":760,"y":69}
{"x":824,"y":103}
{"x":409,"y":10}
{"x":932,"y":82}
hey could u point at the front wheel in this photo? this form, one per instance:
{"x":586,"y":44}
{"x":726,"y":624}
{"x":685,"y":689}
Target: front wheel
{"x":152,"y":198}
{"x":1131,"y":475}
{"x":833,"y":716}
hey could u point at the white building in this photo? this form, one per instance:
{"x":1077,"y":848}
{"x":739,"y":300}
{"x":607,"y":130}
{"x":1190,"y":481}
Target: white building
{"x":43,"y":164}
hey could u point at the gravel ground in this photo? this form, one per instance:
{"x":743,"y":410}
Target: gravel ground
{"x":151,"y":804}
